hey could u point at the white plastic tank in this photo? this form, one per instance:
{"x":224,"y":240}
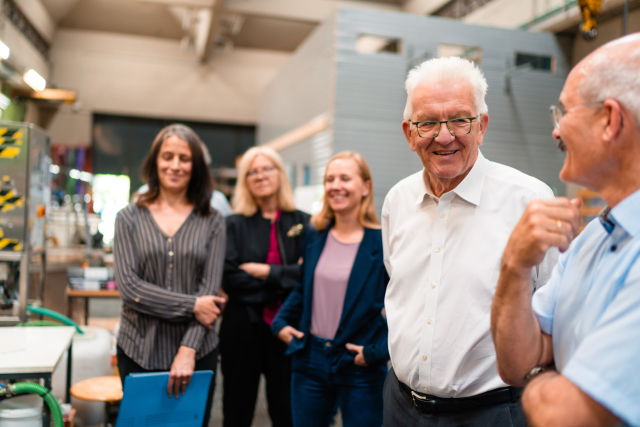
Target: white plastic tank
{"x":24,"y":410}
{"x":91,"y":355}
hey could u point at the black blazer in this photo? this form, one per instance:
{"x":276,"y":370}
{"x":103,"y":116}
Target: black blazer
{"x":248,"y":241}
{"x":362,"y":322}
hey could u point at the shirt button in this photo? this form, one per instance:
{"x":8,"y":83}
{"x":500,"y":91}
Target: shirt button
{"x":437,"y":250}
{"x":441,"y":214}
{"x":433,"y":285}
{"x":170,"y":265}
{"x":169,"y":240}
{"x":426,"y":390}
{"x":137,"y":299}
{"x":424,"y":357}
{"x":170,"y":253}
{"x":428,"y":321}
{"x":328,"y":343}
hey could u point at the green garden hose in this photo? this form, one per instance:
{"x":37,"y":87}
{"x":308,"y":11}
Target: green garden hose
{"x":55,"y":315}
{"x":52,"y":403}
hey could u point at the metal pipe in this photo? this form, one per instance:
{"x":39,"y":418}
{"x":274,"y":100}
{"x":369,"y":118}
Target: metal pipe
{"x":625,"y":17}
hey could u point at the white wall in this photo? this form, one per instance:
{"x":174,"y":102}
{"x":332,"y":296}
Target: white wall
{"x":149,"y":77}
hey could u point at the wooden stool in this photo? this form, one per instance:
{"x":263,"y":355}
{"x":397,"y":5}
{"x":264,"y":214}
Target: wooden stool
{"x":99,"y":389}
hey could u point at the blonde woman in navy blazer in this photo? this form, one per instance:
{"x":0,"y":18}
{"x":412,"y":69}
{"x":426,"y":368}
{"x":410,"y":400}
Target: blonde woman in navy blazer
{"x":332,"y":321}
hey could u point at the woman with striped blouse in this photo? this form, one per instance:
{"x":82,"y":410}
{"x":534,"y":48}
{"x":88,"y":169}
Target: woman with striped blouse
{"x":169,"y":255}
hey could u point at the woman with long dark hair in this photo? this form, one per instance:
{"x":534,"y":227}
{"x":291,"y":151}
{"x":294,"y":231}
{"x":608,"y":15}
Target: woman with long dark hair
{"x":169,"y":254}
{"x":264,"y":243}
{"x":332,"y":321}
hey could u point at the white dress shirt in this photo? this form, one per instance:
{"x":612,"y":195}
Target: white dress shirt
{"x":443,"y":256}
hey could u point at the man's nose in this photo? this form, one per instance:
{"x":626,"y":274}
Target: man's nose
{"x":444,"y":137}
{"x":556,"y":134}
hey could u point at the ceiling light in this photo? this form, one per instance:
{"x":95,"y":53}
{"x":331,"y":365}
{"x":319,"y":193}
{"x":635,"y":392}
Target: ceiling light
{"x":4,"y":101}
{"x":35,"y":80}
{"x":4,"y":51}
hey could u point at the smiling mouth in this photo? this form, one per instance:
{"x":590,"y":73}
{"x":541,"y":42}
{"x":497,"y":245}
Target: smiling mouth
{"x":445,"y":153}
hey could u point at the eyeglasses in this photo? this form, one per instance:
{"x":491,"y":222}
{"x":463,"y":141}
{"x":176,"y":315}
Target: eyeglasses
{"x":267,"y":170}
{"x":557,"y":112}
{"x":457,"y":127}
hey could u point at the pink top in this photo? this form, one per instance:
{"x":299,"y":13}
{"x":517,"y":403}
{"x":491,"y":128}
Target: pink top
{"x":330,"y":281}
{"x":273,"y":257}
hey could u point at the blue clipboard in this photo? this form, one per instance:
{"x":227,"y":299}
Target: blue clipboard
{"x":145,"y":402}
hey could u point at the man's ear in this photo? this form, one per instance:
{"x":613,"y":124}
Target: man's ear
{"x":406,"y":128}
{"x":483,"y":122}
{"x":613,"y":120}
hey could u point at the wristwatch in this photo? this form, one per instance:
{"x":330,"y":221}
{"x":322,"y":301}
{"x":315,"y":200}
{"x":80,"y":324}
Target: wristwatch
{"x":535,"y":372}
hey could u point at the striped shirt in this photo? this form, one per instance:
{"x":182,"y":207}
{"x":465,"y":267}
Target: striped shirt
{"x":159,"y":278}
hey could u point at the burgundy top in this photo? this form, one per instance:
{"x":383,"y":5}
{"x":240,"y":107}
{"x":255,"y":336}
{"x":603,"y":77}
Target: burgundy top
{"x":273,"y":257}
{"x":330,"y":286}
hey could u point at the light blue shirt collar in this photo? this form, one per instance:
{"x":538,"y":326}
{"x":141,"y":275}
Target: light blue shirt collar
{"x":626,"y":214}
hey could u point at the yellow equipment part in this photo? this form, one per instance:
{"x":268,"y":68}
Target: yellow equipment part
{"x":590,"y":9}
{"x":10,"y":244}
{"x":9,"y":152}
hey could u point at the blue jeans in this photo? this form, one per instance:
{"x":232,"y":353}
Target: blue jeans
{"x":317,"y":393}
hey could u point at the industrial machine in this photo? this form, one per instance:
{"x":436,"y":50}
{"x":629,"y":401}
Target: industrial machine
{"x":24,"y":199}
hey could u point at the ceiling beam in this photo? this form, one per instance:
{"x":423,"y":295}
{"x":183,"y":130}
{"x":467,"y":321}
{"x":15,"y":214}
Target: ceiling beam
{"x":307,"y":10}
{"x":184,"y":3}
{"x":211,"y":33}
{"x":423,"y":7}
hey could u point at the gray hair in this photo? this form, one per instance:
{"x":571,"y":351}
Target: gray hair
{"x":616,"y":76}
{"x":447,"y":70}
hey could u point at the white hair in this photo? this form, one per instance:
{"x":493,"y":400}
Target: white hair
{"x":449,"y":70}
{"x":616,"y":76}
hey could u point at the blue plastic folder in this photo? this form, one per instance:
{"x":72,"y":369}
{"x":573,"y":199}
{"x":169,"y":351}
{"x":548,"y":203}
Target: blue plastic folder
{"x":145,"y":402}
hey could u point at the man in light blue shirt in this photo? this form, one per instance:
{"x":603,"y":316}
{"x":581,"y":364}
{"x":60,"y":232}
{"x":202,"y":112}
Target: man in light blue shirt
{"x":577,"y":346}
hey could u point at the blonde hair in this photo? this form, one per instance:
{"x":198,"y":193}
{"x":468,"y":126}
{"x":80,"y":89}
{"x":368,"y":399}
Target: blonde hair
{"x":243,"y":201}
{"x":367,"y":214}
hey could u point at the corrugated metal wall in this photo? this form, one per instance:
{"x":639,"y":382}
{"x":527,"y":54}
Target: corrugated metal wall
{"x":370,"y":95}
{"x":364,"y":94}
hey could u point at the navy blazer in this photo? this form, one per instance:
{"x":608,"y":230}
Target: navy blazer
{"x":362,"y":322}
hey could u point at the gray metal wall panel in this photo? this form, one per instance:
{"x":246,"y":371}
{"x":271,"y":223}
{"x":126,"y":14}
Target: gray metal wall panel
{"x":301,"y":91}
{"x":370,"y":95}
{"x":314,"y":151}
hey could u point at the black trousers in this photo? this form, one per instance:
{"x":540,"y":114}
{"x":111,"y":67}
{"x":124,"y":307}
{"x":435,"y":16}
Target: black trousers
{"x":126,"y":366}
{"x":400,"y":411}
{"x":248,"y":350}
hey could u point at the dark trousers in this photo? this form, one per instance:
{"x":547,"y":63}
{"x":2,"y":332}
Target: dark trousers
{"x":248,"y":350}
{"x":400,"y":411}
{"x":127,"y":366}
{"x":317,"y":392}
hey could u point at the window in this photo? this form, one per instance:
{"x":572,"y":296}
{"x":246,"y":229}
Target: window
{"x":376,"y":44}
{"x":537,"y":62}
{"x":472,"y":53}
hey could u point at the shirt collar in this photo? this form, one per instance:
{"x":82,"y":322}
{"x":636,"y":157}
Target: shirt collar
{"x":470,"y":189}
{"x":626,"y":215}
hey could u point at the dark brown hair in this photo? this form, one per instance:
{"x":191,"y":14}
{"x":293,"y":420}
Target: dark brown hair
{"x":200,"y":185}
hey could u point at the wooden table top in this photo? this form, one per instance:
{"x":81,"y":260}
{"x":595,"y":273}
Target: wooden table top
{"x":99,"y":389}
{"x":92,"y":294}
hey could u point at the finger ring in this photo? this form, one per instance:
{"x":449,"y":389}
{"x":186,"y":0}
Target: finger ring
{"x":559,"y":226}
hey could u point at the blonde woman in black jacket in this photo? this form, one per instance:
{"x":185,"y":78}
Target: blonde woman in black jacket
{"x":264,"y":243}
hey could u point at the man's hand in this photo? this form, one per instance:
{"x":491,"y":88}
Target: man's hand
{"x":206,"y":311}
{"x":287,"y":333}
{"x":359,"y":360}
{"x":181,"y":370}
{"x":257,"y":270}
{"x":545,"y":223}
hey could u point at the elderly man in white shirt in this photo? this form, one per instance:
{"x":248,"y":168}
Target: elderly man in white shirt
{"x":444,"y":231}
